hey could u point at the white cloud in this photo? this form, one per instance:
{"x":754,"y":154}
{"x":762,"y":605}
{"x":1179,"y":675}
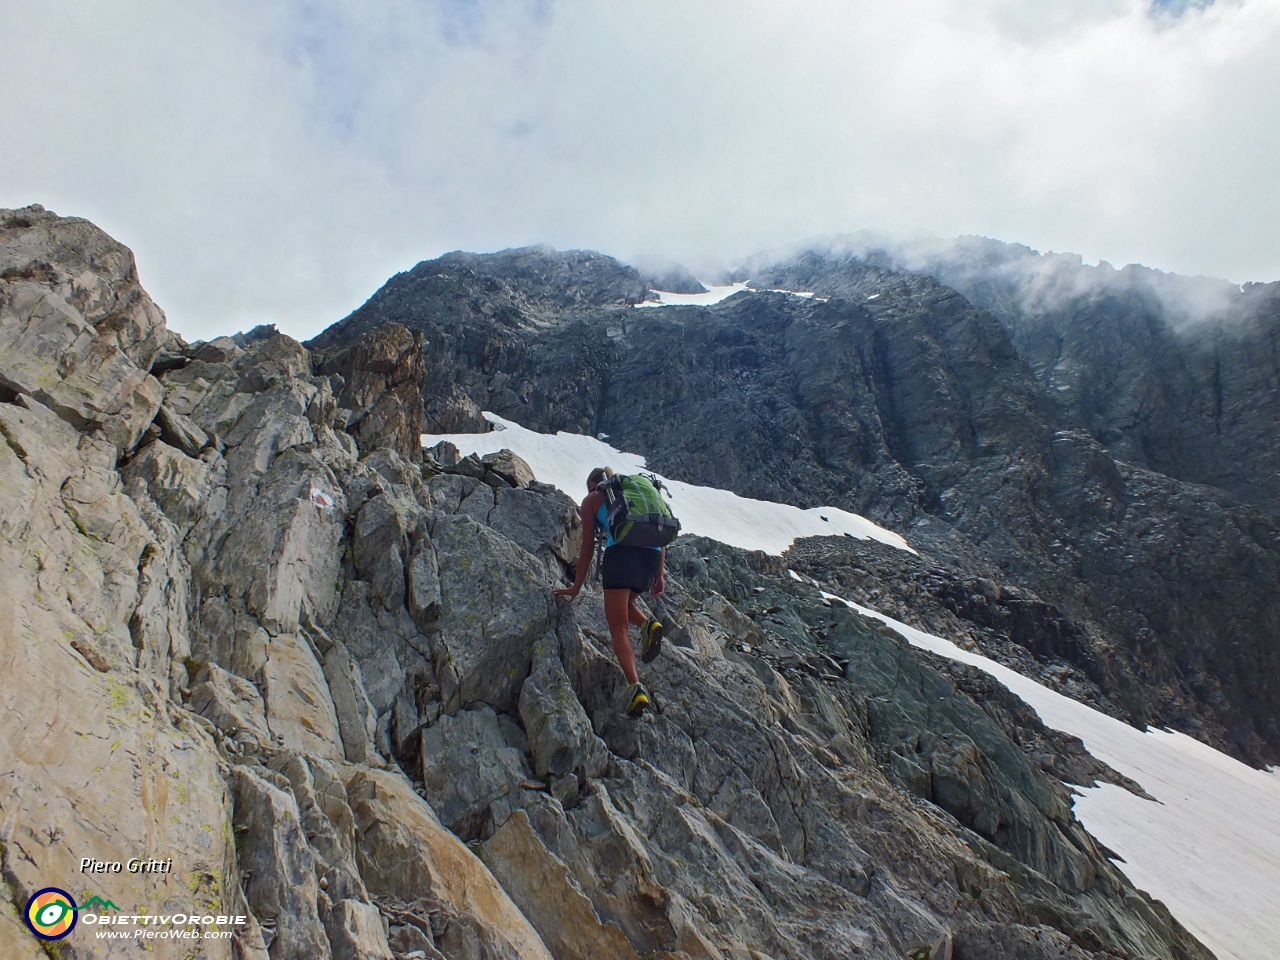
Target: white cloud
{"x":277,"y":161}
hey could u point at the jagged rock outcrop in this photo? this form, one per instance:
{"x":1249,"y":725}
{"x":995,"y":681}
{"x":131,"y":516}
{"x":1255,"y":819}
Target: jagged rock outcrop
{"x":382,"y":377}
{"x":892,"y":395}
{"x":77,"y":331}
{"x":308,"y":669}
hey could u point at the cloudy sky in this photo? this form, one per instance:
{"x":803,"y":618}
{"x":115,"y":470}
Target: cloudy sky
{"x":277,"y":161}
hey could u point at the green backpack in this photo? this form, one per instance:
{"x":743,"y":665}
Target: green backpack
{"x":636,"y":513}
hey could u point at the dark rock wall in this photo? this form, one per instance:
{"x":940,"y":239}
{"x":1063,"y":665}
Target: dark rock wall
{"x":1177,"y":374}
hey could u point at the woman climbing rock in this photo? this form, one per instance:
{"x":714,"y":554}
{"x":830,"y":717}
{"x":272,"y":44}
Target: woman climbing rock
{"x":625,"y":573}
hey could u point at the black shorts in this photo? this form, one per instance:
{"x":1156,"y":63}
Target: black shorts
{"x":630,"y":568}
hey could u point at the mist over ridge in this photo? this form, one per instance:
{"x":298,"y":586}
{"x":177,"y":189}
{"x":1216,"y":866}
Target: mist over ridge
{"x":1003,"y":275}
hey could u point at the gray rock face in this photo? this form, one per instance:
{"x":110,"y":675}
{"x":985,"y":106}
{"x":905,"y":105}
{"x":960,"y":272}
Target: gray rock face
{"x":202,"y":638}
{"x":1151,"y":397}
{"x":467,"y":765}
{"x":282,"y":889}
{"x":494,"y":603}
{"x":561,"y":741}
{"x":1176,"y":374}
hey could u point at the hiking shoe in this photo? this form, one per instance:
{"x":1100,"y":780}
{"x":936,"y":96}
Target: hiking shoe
{"x":639,"y":700}
{"x":650,"y":640}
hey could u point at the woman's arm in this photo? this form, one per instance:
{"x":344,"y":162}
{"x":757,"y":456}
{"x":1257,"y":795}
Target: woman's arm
{"x":587,"y":551}
{"x":659,"y":586}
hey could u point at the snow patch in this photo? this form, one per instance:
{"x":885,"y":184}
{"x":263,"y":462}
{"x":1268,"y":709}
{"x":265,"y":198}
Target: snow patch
{"x":716,"y":294}
{"x":1210,"y":848}
{"x":564,"y":460}
{"x":713,"y":295}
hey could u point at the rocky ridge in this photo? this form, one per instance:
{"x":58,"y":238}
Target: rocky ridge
{"x":328,"y":678}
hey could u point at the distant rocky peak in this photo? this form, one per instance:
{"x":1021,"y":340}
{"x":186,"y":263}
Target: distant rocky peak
{"x":517,"y":288}
{"x":565,"y":278}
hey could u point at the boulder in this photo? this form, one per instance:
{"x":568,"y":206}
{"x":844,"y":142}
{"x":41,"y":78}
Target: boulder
{"x":217,"y":350}
{"x":470,"y":466}
{"x":300,"y":709}
{"x":395,"y":469}
{"x":232,"y":704}
{"x":445,"y":453}
{"x":272,"y":358}
{"x":355,"y":932}
{"x":181,"y":432}
{"x":509,"y":467}
{"x":179,"y":485}
{"x":404,"y":853}
{"x":542,"y":520}
{"x":467,"y":765}
{"x":560,"y":736}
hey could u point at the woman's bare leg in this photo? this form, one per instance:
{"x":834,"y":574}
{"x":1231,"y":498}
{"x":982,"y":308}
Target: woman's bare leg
{"x":633,"y":612}
{"x":617,"y":604}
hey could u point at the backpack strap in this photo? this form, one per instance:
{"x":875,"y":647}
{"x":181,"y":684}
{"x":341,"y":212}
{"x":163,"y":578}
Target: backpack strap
{"x":602,"y":537}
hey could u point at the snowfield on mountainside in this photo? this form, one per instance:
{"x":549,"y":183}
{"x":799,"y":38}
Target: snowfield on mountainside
{"x":564,"y":460}
{"x":1209,"y":846}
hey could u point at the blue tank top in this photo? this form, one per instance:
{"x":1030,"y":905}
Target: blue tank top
{"x":602,"y":518}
